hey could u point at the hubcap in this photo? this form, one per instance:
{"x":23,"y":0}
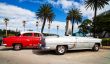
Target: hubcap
{"x":61,"y":49}
{"x":96,"y":47}
{"x":17,"y":47}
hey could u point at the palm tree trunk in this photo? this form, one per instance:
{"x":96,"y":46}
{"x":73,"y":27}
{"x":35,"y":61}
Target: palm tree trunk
{"x":6,"y":31}
{"x":94,"y":29}
{"x":43,"y":25}
{"x":94,"y":21}
{"x":72,"y":25}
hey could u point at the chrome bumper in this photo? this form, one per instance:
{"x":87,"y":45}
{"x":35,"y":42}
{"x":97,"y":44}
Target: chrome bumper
{"x":3,"y":44}
{"x":43,"y":48}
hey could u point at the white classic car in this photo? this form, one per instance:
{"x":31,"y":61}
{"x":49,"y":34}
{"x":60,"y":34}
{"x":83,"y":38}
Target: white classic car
{"x":62,"y":44}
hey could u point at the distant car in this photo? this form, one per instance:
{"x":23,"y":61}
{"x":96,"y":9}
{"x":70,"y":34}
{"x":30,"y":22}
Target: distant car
{"x":23,"y":40}
{"x":1,"y":40}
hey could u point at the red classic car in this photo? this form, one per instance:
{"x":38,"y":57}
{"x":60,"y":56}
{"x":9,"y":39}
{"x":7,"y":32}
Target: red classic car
{"x":25,"y":39}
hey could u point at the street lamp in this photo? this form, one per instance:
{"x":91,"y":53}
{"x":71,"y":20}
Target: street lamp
{"x":24,"y":24}
{"x":49,"y":27}
{"x":37,"y":25}
{"x":6,"y":23}
{"x":57,"y":29}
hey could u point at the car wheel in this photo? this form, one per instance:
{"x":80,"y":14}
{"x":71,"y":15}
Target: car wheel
{"x":96,"y":47}
{"x":17,"y":47}
{"x":60,"y":50}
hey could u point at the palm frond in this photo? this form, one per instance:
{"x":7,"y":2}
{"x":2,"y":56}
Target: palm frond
{"x":99,"y":4}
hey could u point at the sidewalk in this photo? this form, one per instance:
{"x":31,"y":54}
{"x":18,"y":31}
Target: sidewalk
{"x":105,"y":47}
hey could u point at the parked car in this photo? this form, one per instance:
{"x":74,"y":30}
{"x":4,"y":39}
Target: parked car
{"x":23,"y":40}
{"x":62,"y":44}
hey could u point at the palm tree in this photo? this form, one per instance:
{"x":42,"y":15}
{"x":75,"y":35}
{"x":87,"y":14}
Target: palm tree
{"x":45,"y":12}
{"x":75,"y":16}
{"x":95,"y":5}
{"x":6,"y":23}
{"x":24,"y":24}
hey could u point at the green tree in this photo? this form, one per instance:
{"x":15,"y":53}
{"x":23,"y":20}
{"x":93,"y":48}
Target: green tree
{"x":45,"y":12}
{"x":103,"y":23}
{"x":75,"y":16}
{"x":86,"y":26}
{"x":95,"y":5}
{"x":6,"y":23}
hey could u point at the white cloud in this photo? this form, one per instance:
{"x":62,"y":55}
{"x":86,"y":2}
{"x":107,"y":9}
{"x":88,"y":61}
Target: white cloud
{"x":15,"y":12}
{"x":16,"y":15}
{"x":64,"y":4}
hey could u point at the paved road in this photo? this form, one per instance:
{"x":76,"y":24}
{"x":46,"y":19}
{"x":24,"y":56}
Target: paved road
{"x":33,"y":56}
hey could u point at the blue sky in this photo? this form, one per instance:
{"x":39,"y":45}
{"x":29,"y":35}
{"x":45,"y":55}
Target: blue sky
{"x":19,"y":10}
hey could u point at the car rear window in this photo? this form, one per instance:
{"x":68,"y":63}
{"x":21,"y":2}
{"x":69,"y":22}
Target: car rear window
{"x":27,"y":34}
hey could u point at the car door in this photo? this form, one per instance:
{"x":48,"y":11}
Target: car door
{"x":36,"y":39}
{"x":27,"y":39}
{"x":82,"y":42}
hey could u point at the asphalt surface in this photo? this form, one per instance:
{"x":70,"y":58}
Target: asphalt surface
{"x":34,"y":56}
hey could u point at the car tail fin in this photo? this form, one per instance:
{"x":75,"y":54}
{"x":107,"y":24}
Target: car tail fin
{"x":43,"y":41}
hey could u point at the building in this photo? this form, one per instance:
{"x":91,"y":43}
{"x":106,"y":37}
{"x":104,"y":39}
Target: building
{"x":68,"y":27}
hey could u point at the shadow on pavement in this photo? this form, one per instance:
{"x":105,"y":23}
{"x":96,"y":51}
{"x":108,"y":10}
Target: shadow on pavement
{"x":6,"y":49}
{"x":78,"y":51}
{"x":51,"y":52}
{"x":39,"y":52}
{"x":11,"y":49}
